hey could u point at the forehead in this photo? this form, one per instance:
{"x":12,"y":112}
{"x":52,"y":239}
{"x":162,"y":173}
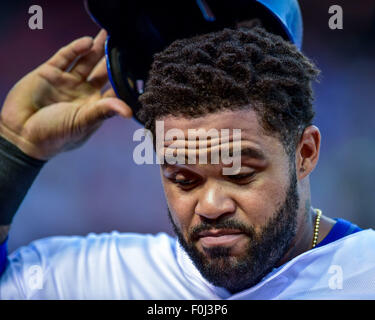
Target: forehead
{"x":245,"y":120}
{"x":252,"y":133}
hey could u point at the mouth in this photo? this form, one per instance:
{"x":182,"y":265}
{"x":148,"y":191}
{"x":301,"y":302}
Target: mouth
{"x":222,"y":237}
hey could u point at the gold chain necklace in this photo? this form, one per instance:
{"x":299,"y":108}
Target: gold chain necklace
{"x":316,"y":229}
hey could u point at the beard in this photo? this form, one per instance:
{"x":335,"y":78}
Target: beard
{"x":263,"y":251}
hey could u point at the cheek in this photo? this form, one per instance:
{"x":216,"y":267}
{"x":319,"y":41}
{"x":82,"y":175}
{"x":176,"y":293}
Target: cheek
{"x":262,"y":199}
{"x":181,"y":206}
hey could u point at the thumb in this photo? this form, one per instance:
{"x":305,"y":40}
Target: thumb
{"x":105,"y":108}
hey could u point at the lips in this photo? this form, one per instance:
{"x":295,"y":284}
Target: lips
{"x":218,"y":232}
{"x":223,"y":237}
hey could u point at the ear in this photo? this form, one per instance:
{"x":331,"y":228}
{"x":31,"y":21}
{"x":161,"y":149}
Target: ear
{"x":307,"y":153}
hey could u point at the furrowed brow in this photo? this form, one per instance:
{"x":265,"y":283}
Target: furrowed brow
{"x":246,"y":152}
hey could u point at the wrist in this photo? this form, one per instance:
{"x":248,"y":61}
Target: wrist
{"x":21,"y":143}
{"x":17,"y":173}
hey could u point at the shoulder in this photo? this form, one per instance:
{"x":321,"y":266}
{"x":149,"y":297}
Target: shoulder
{"x":341,"y":269}
{"x":97,"y":265}
{"x":92,"y":250}
{"x":362,"y":238}
{"x":359,"y":243}
{"x":104,"y":242}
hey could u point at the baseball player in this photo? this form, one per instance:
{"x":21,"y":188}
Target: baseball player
{"x":253,"y":234}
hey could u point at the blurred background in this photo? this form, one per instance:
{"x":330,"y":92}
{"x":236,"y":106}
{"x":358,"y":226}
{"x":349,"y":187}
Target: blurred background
{"x":98,"y":188}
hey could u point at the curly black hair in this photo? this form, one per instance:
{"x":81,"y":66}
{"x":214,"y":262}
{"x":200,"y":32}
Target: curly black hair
{"x":239,"y":68}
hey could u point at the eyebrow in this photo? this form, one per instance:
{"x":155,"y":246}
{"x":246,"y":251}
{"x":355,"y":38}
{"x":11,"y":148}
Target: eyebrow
{"x":247,"y":152}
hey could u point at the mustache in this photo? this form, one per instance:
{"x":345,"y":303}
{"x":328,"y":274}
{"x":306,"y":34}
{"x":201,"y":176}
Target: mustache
{"x":228,"y":224}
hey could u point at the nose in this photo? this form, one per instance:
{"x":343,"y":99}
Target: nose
{"x":214,"y":202}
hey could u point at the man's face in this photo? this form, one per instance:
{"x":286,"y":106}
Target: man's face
{"x":237,"y":227}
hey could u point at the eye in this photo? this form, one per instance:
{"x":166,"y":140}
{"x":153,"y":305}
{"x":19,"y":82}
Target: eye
{"x":184,"y":181}
{"x":242,"y":178}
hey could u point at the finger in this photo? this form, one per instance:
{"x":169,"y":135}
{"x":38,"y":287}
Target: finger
{"x":86,"y":64}
{"x":109,"y":93}
{"x":63,"y":58}
{"x":104,"y":109}
{"x":99,"y":76}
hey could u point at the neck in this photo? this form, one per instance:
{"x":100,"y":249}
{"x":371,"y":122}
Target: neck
{"x":303,"y":239}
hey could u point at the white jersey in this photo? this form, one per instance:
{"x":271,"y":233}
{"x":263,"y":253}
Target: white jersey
{"x":136,"y":266}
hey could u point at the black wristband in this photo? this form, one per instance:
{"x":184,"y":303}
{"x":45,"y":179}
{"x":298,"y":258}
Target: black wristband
{"x":17,"y":173}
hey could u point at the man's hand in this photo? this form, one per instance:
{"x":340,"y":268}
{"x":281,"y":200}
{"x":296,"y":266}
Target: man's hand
{"x":53,"y":109}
